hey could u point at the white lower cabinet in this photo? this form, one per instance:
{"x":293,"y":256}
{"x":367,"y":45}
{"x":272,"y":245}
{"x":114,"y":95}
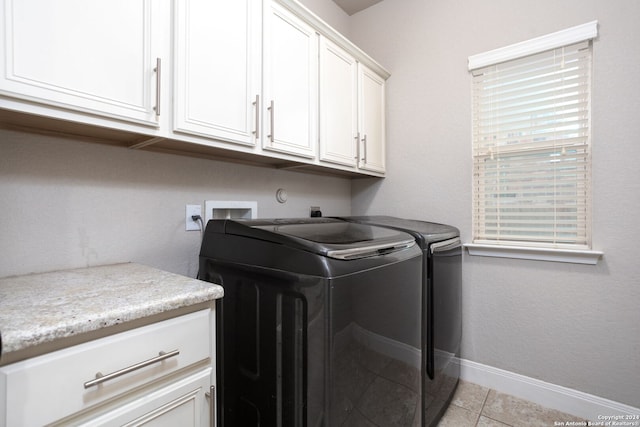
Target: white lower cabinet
{"x":156,"y":374}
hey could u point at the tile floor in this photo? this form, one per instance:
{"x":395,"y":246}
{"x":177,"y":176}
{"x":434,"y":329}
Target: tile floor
{"x":374,"y":390}
{"x":477,"y":406}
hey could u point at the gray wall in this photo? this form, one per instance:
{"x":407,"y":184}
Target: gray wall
{"x":68,"y":204}
{"x":573,"y":325}
{"x":331,"y":14}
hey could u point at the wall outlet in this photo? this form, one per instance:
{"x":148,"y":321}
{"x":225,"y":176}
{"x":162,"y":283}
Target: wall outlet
{"x":190,"y":224}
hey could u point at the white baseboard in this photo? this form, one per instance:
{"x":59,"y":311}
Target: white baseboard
{"x":549,"y":395}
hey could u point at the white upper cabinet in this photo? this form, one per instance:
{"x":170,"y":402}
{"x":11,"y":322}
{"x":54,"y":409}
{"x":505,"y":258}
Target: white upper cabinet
{"x":338,"y":105}
{"x":99,"y":57}
{"x":252,"y":80}
{"x":290,"y":83}
{"x":218,"y":69}
{"x":352,"y":113}
{"x":371,"y":107}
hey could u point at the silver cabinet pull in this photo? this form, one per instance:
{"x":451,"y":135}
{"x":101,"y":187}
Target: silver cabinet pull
{"x":103,"y":378}
{"x":364,"y":146}
{"x":357,"y":138}
{"x":211,"y":395}
{"x":257,"y":104}
{"x":273,"y":113}
{"x":158,"y":70}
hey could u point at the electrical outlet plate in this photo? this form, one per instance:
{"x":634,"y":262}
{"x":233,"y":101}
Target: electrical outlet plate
{"x":190,"y":224}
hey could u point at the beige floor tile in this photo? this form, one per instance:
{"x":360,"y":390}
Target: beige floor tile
{"x":488,"y":422}
{"x":520,"y":413}
{"x":470,"y":396}
{"x":456,"y":416}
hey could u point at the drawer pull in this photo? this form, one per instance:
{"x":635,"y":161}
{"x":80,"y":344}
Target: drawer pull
{"x":211,"y":396}
{"x":103,"y":378}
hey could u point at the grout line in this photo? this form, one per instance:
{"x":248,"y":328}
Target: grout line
{"x":478,"y":419}
{"x":484,"y":402}
{"x":486,"y":416}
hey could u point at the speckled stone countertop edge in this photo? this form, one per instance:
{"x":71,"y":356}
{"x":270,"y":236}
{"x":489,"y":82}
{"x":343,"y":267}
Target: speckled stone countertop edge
{"x":41,"y":308}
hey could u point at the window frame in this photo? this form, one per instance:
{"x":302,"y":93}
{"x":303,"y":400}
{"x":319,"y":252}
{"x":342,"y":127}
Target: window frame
{"x":578,"y":254}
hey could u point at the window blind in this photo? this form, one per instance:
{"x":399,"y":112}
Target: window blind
{"x":531,"y":150}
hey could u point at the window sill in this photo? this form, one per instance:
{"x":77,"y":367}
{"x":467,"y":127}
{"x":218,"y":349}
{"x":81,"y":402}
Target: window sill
{"x":539,"y":254}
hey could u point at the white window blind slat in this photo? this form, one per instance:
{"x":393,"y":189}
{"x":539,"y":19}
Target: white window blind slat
{"x":531,"y":150}
{"x":533,"y":78}
{"x":566,"y":97}
{"x":523,"y":122}
{"x":562,"y":98}
{"x":565,"y":133}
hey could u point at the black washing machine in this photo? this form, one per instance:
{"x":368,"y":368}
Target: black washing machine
{"x":320,"y":324}
{"x":442,"y":314}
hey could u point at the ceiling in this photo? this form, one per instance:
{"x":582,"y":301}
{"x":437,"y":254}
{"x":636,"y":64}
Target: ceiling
{"x":353,"y":6}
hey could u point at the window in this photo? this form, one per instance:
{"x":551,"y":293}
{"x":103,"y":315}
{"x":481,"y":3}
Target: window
{"x":531,"y":143}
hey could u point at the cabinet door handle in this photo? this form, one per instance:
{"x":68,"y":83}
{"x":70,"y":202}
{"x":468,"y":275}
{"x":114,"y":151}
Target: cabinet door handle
{"x":103,"y":378}
{"x":364,"y":147}
{"x":357,"y":138}
{"x":211,"y":395}
{"x":257,"y":104}
{"x":158,"y":70}
{"x":271,"y":119}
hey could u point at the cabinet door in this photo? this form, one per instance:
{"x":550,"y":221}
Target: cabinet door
{"x":372,"y":121}
{"x":290,"y":83}
{"x":97,"y":57}
{"x":338,"y":105}
{"x":217,"y":69}
{"x":182,"y":403}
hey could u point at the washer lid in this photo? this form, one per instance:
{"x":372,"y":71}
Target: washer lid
{"x":324,"y":236}
{"x":425,"y":232}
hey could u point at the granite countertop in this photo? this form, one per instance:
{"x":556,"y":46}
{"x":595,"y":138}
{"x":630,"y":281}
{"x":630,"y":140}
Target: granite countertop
{"x":41,"y":308}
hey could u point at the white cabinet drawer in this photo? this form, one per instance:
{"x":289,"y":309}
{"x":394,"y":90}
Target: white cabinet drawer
{"x":179,"y":404}
{"x":49,"y":387}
